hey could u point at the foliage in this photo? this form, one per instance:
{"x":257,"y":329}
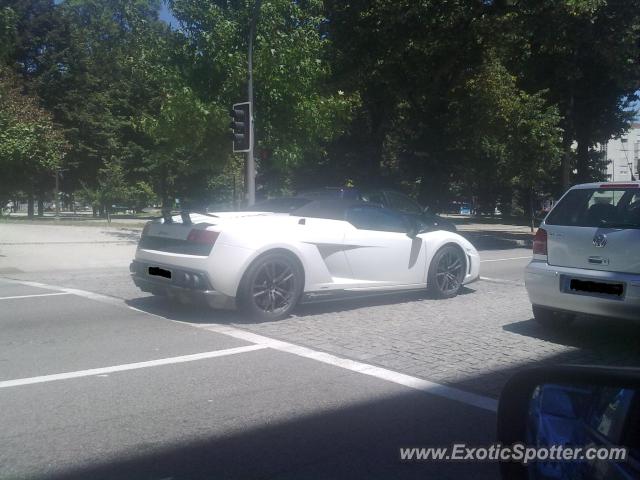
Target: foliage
{"x":508,"y":139}
{"x":298,"y":110}
{"x":7,"y":32}
{"x":585,"y":54}
{"x":31,"y":145}
{"x":459,"y":99}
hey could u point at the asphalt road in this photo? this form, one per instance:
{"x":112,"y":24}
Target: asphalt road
{"x":505,"y":264}
{"x":99,"y":380}
{"x":239,"y":409}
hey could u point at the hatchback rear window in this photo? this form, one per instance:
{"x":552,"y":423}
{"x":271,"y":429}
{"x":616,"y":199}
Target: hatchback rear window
{"x":599,"y":208}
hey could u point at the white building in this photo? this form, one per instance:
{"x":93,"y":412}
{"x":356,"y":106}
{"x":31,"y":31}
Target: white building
{"x":623,"y":155}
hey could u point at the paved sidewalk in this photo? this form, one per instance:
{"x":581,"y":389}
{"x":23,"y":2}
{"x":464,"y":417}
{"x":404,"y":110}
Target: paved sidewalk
{"x":497,"y":236}
{"x":494,"y":227}
{"x":27,"y":247}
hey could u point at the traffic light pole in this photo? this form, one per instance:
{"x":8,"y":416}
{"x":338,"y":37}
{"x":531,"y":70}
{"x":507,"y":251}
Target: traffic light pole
{"x":250,"y":176}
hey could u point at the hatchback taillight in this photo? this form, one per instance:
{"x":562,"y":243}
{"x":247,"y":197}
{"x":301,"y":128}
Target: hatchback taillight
{"x":540,"y":242}
{"x":203,"y":237}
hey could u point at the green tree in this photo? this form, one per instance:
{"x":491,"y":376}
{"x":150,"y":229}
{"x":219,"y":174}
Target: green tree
{"x":585,"y":54}
{"x":298,"y":110}
{"x":31,"y":145}
{"x":78,"y":56}
{"x":7,"y":33}
{"x":509,"y":141}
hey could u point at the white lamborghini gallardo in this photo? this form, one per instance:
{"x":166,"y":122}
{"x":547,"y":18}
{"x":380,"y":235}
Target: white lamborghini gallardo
{"x":265,"y":263}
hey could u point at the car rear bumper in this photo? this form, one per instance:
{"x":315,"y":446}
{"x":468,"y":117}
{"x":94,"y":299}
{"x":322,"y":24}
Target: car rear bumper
{"x":182,"y":286}
{"x":544,"y":284}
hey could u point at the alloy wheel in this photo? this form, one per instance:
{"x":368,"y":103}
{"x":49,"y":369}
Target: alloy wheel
{"x":450,"y":271}
{"x":274,"y":287}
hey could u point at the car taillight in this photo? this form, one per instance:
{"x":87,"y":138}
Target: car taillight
{"x":204,"y":237}
{"x":540,"y":242}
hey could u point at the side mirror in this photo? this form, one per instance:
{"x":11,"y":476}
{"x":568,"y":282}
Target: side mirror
{"x":416,"y":227}
{"x":413,"y":230}
{"x":571,"y":422}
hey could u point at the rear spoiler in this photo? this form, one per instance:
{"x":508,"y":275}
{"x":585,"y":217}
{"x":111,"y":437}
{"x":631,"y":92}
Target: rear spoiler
{"x":185,"y":215}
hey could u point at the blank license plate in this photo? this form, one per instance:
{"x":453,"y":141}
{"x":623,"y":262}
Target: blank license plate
{"x":602,"y":288}
{"x":159,"y":272}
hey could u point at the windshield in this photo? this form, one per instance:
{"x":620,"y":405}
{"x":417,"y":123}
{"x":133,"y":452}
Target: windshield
{"x":601,"y":207}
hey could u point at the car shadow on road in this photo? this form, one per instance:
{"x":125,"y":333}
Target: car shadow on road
{"x":591,"y":342}
{"x":200,"y":313}
{"x":125,"y":234}
{"x":601,"y":341}
{"x":347,"y":304}
{"x":360,"y":440}
{"x":174,"y":310}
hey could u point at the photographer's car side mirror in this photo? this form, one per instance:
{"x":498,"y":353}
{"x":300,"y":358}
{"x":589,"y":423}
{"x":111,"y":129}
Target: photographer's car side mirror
{"x":574,"y":421}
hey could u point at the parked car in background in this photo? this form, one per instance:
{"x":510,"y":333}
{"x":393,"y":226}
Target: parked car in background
{"x":399,"y":202}
{"x":586,"y":257}
{"x":464,"y":209}
{"x":278,"y":205}
{"x":346,"y":193}
{"x":388,"y":198}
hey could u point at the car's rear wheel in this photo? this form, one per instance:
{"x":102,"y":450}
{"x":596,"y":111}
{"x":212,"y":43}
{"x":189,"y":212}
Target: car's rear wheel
{"x":271,"y":287}
{"x":549,"y":318}
{"x":446,"y":272}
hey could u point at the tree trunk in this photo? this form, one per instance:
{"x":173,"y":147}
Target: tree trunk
{"x":532,"y":209}
{"x":583,"y":161}
{"x":164,"y":194}
{"x":30,"y":209}
{"x":40,"y":207}
{"x":565,"y":164}
{"x":567,"y":141}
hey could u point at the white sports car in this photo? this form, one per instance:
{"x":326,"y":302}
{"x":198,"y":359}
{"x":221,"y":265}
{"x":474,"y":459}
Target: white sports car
{"x":265,"y":263}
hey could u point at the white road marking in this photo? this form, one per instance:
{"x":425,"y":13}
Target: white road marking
{"x":35,"y":295}
{"x":450,"y":393}
{"x":502,"y":281}
{"x":260,"y":341}
{"x":130,"y":366}
{"x":69,"y":291}
{"x":504,"y":259}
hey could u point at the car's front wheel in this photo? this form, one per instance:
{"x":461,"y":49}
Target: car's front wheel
{"x":550,"y":318}
{"x":271,"y":287}
{"x":446,"y":272}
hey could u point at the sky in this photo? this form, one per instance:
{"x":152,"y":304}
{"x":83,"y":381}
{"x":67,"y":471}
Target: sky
{"x":167,"y":16}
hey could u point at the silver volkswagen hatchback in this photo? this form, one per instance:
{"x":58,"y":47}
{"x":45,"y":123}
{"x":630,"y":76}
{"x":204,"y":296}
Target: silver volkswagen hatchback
{"x":586,"y":255}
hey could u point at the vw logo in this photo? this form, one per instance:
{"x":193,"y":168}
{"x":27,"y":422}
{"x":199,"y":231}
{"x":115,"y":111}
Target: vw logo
{"x":600,"y":240}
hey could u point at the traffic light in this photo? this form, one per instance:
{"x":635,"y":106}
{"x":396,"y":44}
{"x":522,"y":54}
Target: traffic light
{"x":241,"y":126}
